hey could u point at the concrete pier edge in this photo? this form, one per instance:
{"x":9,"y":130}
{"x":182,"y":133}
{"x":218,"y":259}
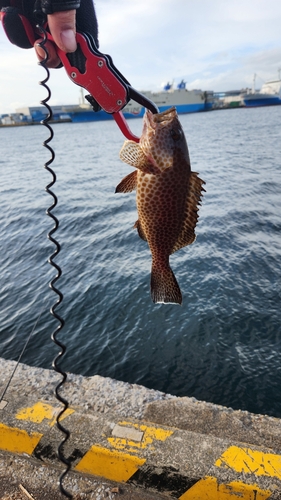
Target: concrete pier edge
{"x":127,"y":433}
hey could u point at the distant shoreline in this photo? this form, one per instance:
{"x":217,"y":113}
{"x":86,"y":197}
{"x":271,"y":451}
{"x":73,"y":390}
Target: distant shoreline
{"x":25,"y":124}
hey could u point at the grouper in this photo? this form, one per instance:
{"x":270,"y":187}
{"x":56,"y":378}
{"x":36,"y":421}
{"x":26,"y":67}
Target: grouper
{"x":168,"y":196}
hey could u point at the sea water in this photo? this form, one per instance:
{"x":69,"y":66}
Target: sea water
{"x":223,"y":344}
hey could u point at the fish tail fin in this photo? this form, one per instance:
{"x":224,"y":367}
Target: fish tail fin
{"x":164,"y":286}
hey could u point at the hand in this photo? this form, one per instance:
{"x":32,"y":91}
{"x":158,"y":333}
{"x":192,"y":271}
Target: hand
{"x":63,"y":16}
{"x":63,"y":29}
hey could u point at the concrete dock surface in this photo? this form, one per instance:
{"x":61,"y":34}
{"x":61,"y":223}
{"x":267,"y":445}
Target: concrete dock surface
{"x":23,"y":478}
{"x":128,"y":441}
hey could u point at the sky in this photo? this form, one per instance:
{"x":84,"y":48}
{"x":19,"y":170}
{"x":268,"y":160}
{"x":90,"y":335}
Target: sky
{"x":212,"y":44}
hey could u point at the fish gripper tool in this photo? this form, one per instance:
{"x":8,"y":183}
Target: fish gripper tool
{"x":109,"y":90}
{"x":87,"y":67}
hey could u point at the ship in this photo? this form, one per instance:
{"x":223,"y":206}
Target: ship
{"x":184,"y":100}
{"x":268,"y":95}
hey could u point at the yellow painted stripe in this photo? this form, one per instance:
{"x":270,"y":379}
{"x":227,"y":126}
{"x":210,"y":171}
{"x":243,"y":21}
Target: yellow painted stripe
{"x":112,"y":465}
{"x":17,"y":440}
{"x":251,"y":461}
{"x":209,"y":489}
{"x":150,"y":434}
{"x":41,"y":411}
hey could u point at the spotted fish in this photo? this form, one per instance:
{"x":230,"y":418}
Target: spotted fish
{"x":168,"y":196}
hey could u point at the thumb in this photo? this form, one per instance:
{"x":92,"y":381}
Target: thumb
{"x":63,"y":29}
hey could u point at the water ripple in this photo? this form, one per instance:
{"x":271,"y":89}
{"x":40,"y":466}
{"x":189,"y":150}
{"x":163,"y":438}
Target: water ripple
{"x":223,"y":344}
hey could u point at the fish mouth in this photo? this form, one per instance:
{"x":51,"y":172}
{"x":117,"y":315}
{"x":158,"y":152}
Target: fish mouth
{"x":165,"y":116}
{"x":148,"y":121}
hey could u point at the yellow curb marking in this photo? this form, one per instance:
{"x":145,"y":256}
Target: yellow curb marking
{"x":251,"y":461}
{"x":149,"y":435}
{"x":209,"y":489}
{"x":40,"y":411}
{"x":17,"y":440}
{"x":112,"y":465}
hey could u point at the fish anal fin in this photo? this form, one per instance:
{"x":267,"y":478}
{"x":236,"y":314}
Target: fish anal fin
{"x":128,"y":184}
{"x":164,"y":286}
{"x":138,"y":226}
{"x":132,"y":154}
{"x":195,"y":192}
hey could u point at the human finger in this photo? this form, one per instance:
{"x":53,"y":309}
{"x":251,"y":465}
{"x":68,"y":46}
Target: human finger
{"x":62,"y":26}
{"x":53,"y":60}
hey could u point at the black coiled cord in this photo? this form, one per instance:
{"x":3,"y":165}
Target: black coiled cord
{"x":62,"y":347}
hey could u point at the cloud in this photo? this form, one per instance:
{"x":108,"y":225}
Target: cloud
{"x":214,"y":45}
{"x":203,"y":42}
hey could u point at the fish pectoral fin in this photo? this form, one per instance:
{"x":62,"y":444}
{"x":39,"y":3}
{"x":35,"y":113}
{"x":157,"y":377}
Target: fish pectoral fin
{"x":138,"y":226}
{"x":133,"y":154}
{"x":128,"y":184}
{"x":195,"y":193}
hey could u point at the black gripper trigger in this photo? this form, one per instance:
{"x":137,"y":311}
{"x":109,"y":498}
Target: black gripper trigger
{"x":77,"y":59}
{"x":95,"y":105}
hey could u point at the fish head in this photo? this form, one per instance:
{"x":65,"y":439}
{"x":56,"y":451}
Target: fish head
{"x":162,"y":137}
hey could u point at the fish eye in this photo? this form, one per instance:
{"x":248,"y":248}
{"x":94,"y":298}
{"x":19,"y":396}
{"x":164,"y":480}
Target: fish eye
{"x":176,"y":134}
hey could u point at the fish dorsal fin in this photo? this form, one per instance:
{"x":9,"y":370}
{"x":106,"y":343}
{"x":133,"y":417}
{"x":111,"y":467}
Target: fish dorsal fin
{"x":195,"y":192}
{"x":133,"y":154}
{"x":138,"y":226}
{"x":128,"y":184}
